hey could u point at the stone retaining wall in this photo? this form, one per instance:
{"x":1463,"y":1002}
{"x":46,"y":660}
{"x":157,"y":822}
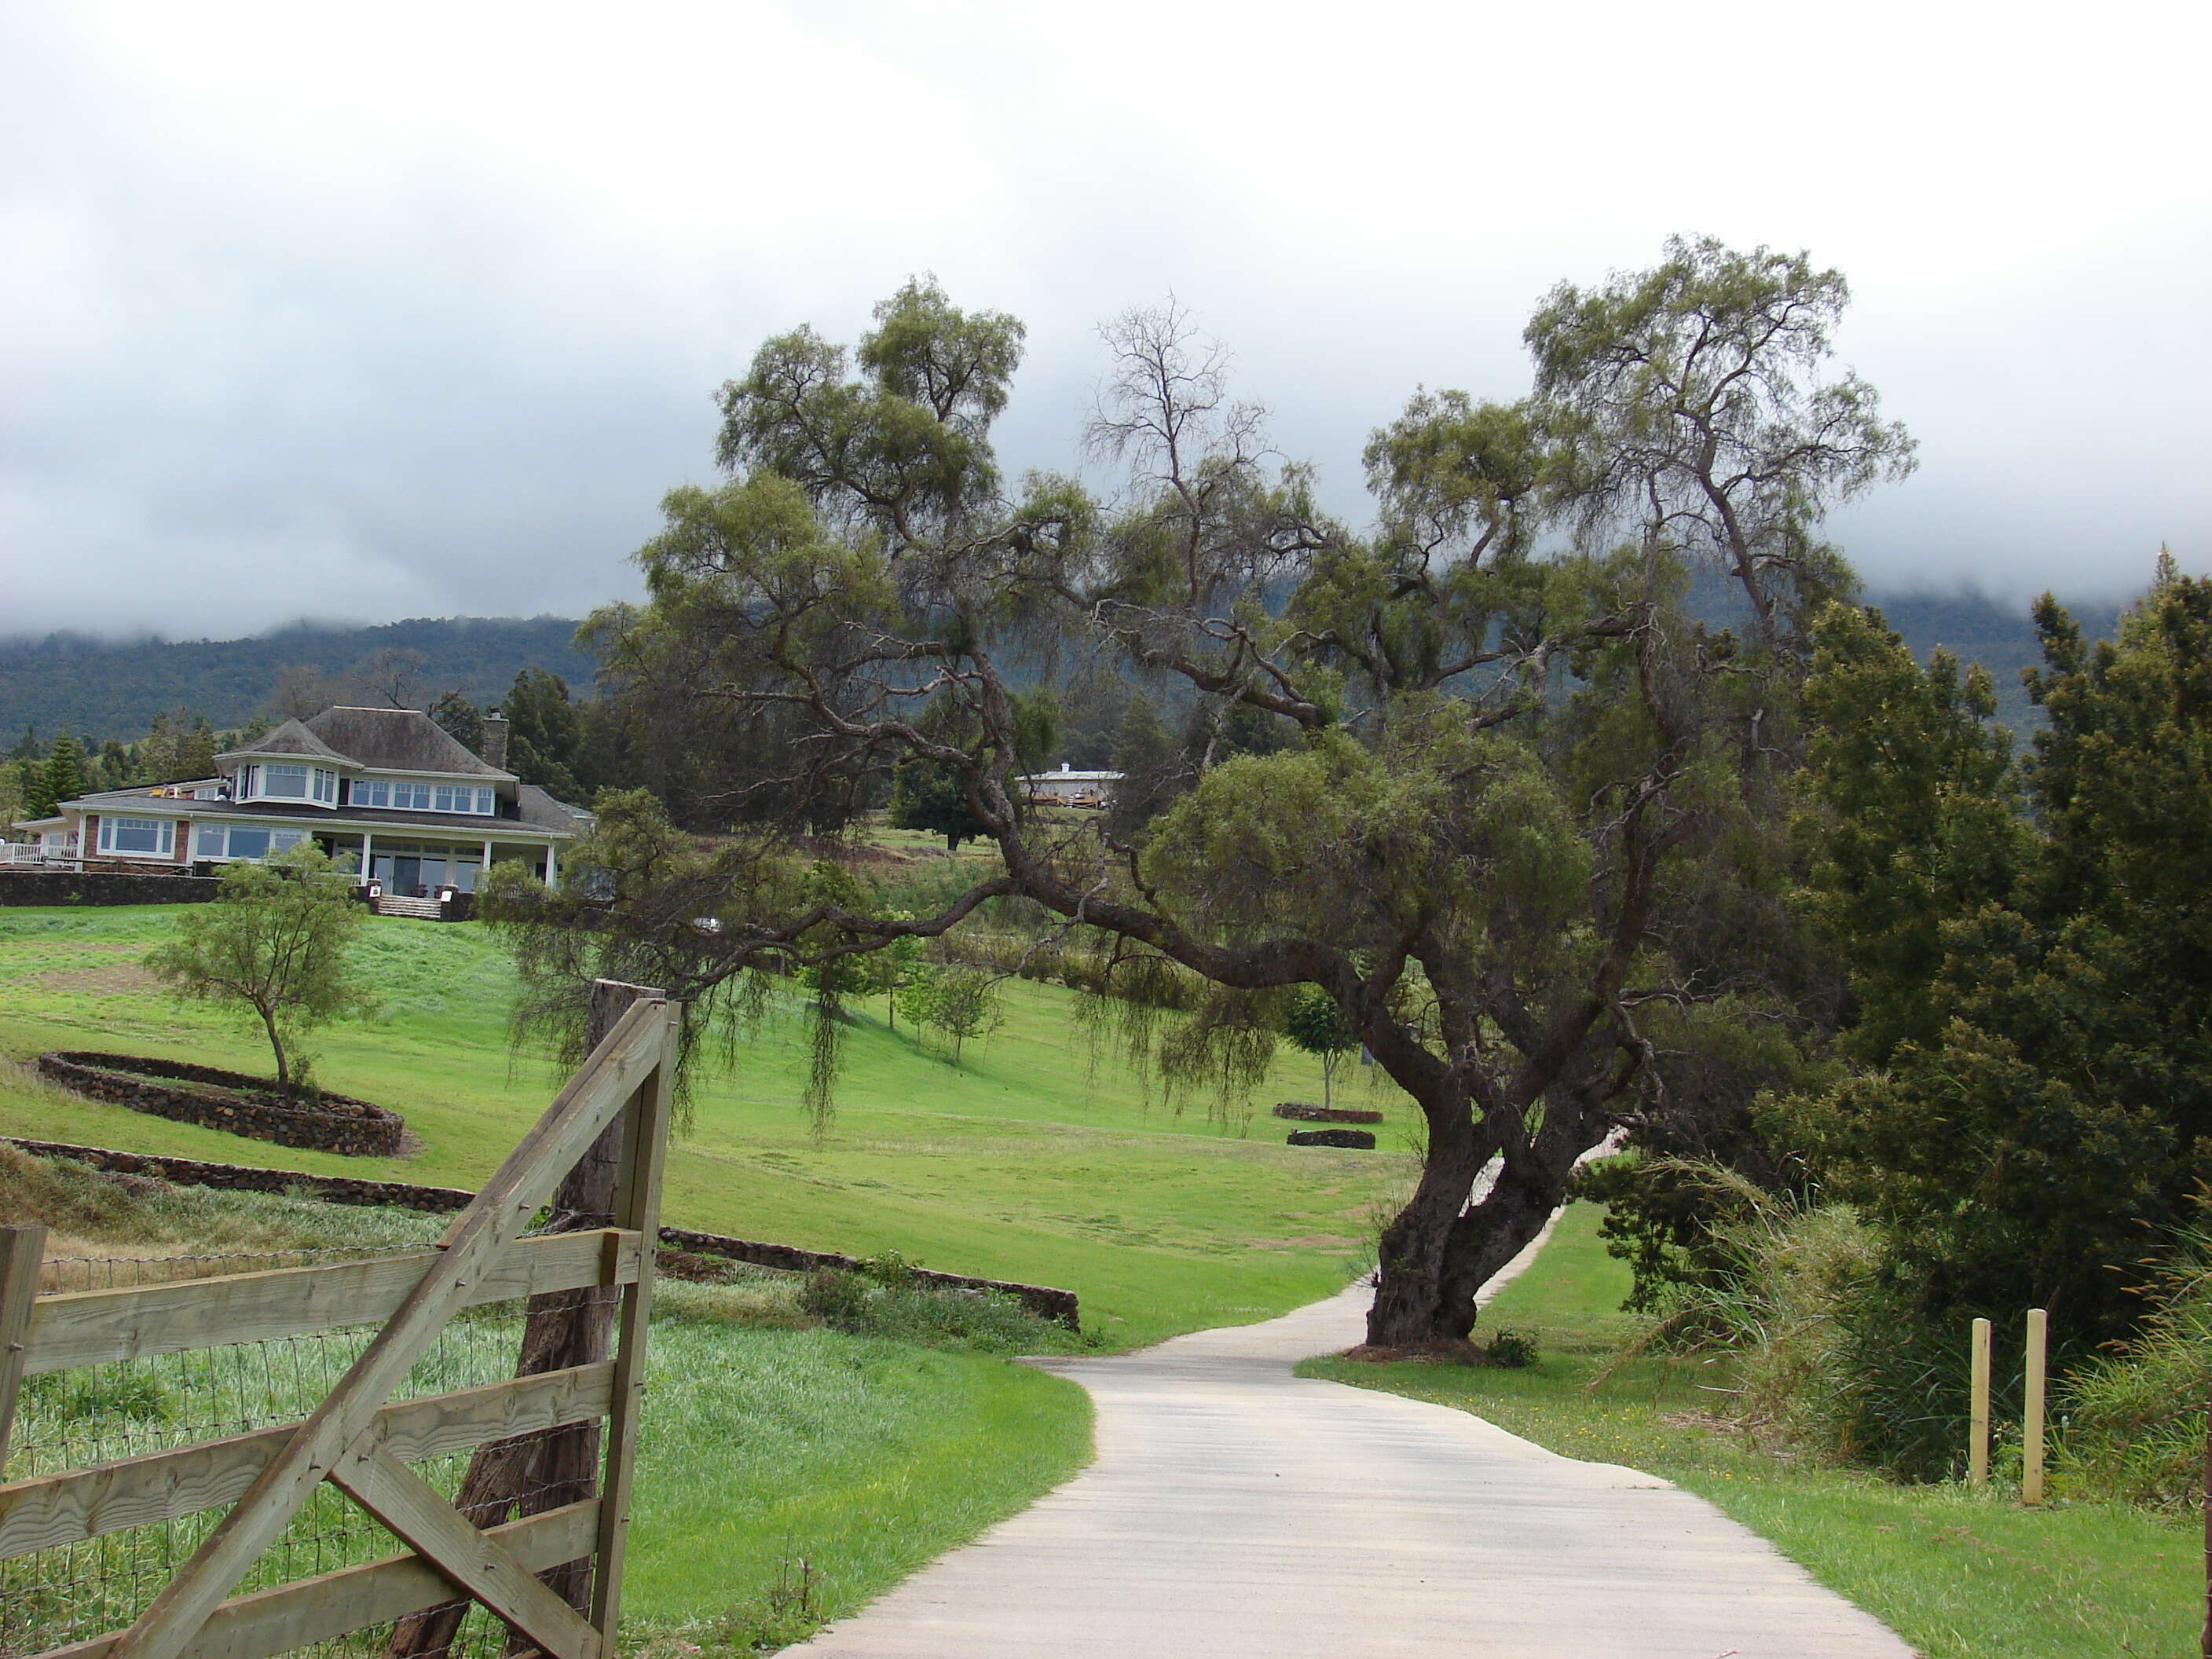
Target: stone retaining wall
{"x":103,"y":887}
{"x":1041,"y":1300}
{"x":229,"y":1101}
{"x":246,"y":1178}
{"x":1357,"y":1140}
{"x":1305,"y":1111}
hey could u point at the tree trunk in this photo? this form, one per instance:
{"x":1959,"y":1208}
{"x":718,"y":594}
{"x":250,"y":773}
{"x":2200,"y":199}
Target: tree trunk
{"x":1492,"y":1232}
{"x":534,"y":1472}
{"x":1413,"y":1304}
{"x":276,"y":1042}
{"x":1441,"y":1251}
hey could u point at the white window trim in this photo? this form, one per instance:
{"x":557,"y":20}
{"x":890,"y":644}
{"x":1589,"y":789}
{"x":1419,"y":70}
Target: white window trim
{"x":165,"y":838}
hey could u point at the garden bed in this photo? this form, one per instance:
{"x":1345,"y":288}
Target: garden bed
{"x":230,"y":1100}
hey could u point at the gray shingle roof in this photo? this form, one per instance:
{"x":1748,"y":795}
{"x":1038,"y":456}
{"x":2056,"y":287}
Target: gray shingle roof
{"x":542,"y":812}
{"x":293,"y":737}
{"x":396,"y":740}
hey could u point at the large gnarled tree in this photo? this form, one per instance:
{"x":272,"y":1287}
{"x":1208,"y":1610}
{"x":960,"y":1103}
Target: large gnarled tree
{"x":1517,"y":817}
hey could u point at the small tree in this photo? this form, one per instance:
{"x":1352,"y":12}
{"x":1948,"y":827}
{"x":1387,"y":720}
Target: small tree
{"x":1317,"y":1025}
{"x":926,"y":795}
{"x":275,"y":939}
{"x":966,"y":1005}
{"x":916,"y":995}
{"x":890,"y":970}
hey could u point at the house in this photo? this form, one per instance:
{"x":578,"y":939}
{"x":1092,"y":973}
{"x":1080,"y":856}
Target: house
{"x":385,"y":791}
{"x":1068,"y":787}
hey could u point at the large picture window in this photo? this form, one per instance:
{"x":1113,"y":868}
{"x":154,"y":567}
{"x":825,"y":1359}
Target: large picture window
{"x":243,"y":841}
{"x":283,"y":782}
{"x":147,"y":837}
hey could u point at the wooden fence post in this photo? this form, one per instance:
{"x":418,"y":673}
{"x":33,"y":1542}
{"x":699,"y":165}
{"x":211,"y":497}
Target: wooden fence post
{"x":534,"y":1474}
{"x":1978,"y":1423}
{"x":637,"y":1206}
{"x":22,"y":1250}
{"x":2031,"y":1427}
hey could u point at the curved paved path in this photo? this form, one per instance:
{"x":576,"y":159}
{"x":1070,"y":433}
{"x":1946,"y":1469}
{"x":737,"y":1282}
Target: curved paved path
{"x":1236,"y":1512}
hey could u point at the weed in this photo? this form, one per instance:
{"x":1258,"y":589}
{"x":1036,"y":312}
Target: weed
{"x":1514,"y":1349}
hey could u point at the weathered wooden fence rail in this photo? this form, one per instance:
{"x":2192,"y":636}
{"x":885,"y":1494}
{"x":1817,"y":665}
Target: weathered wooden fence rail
{"x":588,"y":1288}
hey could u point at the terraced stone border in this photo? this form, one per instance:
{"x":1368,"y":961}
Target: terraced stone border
{"x":1305,"y":1111}
{"x":1356,"y":1140}
{"x":1046,"y":1303}
{"x":229,"y":1101}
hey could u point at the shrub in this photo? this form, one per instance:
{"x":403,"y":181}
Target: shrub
{"x":881,"y":1297}
{"x":1831,"y":1356}
{"x":1514,"y":1349}
{"x":2134,"y":1423}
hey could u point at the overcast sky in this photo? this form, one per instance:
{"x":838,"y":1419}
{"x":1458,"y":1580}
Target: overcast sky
{"x":374,"y":312}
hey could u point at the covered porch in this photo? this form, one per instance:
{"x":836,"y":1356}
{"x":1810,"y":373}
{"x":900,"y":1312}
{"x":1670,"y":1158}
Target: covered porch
{"x":411,"y":865}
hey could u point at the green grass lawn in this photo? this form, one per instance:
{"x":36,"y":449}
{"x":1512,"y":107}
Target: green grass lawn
{"x":1034,"y":1160}
{"x":788,"y":1477}
{"x":787,"y":1472}
{"x":1960,"y":1574}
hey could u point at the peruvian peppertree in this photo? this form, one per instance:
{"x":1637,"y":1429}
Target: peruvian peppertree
{"x":1505,"y":804}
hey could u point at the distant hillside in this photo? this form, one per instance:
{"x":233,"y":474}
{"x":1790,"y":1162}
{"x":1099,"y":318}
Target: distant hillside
{"x":1975,"y":629}
{"x":95,"y":689}
{"x":100,"y":689}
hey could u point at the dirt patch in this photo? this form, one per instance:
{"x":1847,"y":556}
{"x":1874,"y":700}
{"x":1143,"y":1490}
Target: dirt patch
{"x":1442,"y":1352}
{"x":115,"y":979}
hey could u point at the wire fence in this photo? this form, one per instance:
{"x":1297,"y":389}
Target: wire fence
{"x":70,"y":1419}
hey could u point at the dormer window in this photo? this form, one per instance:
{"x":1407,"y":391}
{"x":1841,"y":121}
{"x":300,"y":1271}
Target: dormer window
{"x":283,"y":781}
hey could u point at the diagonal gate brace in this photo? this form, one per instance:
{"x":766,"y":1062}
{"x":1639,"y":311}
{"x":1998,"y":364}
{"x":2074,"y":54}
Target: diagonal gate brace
{"x":342,"y":1427}
{"x":478,"y":1567}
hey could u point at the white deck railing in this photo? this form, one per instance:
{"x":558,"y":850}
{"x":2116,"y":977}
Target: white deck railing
{"x":37,"y":853}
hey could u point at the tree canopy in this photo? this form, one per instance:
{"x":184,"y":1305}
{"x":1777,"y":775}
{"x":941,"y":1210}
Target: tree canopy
{"x":1478,"y":776}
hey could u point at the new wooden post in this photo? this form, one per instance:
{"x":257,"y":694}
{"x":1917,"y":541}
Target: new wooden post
{"x":21,"y":1251}
{"x":1977,"y":1424}
{"x":2030,"y":1426}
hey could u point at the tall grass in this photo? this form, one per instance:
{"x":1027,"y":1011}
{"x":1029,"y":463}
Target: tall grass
{"x":792,"y":1466}
{"x":2134,"y":1423}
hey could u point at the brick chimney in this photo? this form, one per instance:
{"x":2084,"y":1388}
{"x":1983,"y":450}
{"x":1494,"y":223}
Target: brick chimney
{"x":494,"y":739}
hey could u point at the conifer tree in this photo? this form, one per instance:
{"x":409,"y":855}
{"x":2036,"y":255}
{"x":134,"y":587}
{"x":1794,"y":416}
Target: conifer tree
{"x":61,"y":778}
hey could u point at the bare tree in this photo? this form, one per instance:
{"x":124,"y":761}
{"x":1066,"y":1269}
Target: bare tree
{"x":389,"y":676}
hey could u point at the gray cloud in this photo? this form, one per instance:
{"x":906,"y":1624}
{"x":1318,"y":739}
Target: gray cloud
{"x":312,"y":315}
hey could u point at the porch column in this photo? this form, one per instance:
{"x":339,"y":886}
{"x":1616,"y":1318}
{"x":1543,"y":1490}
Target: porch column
{"x":368,"y":856}
{"x":486,"y":871}
{"x":552,"y":866}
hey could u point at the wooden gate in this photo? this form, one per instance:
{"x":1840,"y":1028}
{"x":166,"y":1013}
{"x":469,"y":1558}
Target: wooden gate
{"x":359,"y":1439}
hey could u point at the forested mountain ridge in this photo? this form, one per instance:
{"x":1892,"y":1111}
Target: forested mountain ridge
{"x":101,"y":689}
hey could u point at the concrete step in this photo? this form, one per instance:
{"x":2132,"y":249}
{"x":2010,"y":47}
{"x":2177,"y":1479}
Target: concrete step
{"x":391,"y":904}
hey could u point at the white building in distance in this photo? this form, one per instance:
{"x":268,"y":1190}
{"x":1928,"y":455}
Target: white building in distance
{"x":1068,"y":787}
